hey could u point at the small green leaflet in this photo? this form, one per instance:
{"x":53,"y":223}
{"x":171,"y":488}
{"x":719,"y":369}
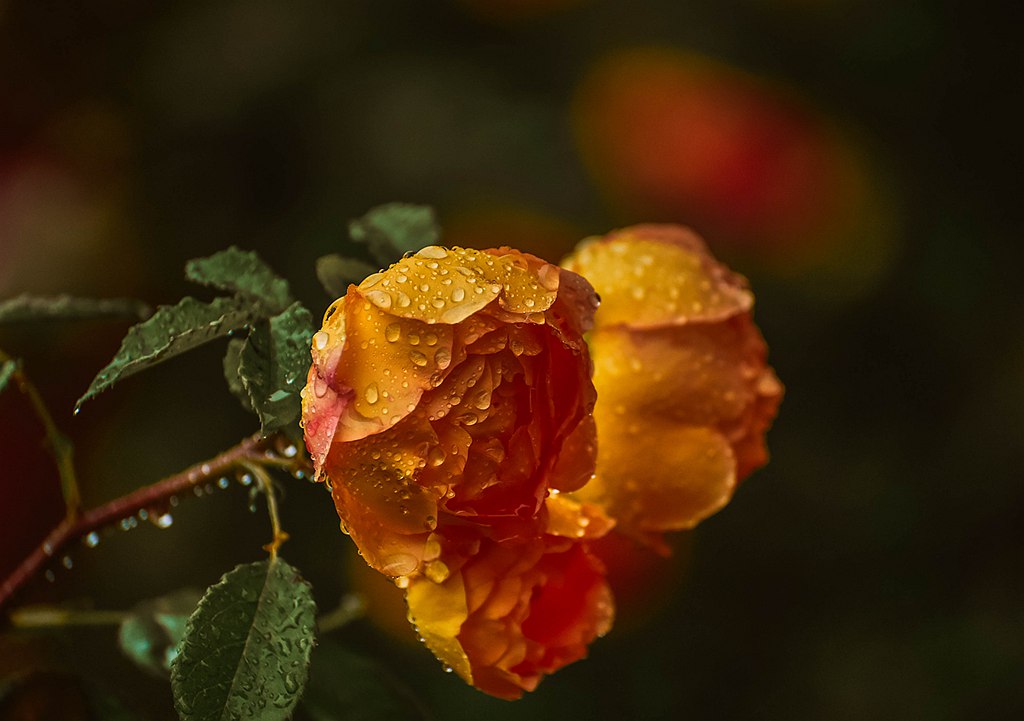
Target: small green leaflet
{"x":395,"y":229}
{"x":27,"y":308}
{"x":273,"y":364}
{"x":232,"y":359}
{"x":246,"y":648}
{"x":345,"y":685}
{"x":150,"y":634}
{"x":7,"y":369}
{"x":241,"y":271}
{"x":335,"y":273}
{"x":172,"y":330}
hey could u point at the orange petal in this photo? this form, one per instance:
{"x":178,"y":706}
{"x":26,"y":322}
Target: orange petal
{"x":656,"y":475}
{"x":696,"y":375}
{"x":387,"y":362}
{"x":653,"y":275}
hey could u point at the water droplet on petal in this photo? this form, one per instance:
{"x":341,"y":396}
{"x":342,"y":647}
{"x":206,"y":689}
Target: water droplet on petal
{"x":418,"y":358}
{"x":321,"y":339}
{"x":436,"y":456}
{"x":437,"y":571}
{"x":371,"y":394}
{"x":392,"y":332}
{"x":379,"y":298}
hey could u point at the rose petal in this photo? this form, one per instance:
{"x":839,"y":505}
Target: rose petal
{"x":658,"y":475}
{"x":438,"y":612}
{"x":696,"y":375}
{"x":652,"y":275}
{"x":388,"y":362}
{"x":569,"y":518}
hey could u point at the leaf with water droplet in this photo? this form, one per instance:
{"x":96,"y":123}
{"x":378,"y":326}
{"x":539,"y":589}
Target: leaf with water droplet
{"x":272,"y":363}
{"x":226,"y":668}
{"x":151,"y":632}
{"x":335,"y":273}
{"x":395,"y":229}
{"x":171,"y":331}
{"x":29,"y":308}
{"x":241,"y":271}
{"x":7,"y":369}
{"x":346,"y":685}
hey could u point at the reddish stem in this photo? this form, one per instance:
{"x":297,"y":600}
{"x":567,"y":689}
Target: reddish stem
{"x":252,"y":449}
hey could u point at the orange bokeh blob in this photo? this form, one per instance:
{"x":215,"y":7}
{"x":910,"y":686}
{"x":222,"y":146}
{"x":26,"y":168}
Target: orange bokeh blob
{"x":680,"y":137}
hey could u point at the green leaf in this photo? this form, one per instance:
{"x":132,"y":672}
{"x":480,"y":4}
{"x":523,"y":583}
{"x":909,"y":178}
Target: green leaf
{"x":171,"y":331}
{"x":246,"y":648}
{"x":150,"y":634}
{"x":345,"y":685}
{"x":27,"y":308}
{"x":395,"y":229}
{"x":7,"y":369}
{"x":232,"y":361}
{"x":241,"y":271}
{"x":335,"y":272}
{"x":273,"y":365}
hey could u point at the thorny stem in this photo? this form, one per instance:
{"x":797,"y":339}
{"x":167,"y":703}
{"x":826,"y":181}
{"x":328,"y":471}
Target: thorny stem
{"x":251,"y":453}
{"x":60,"y":446}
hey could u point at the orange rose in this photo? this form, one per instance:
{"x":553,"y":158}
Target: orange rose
{"x":449,"y":396}
{"x":685,"y":395}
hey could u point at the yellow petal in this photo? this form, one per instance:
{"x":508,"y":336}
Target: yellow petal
{"x":570,"y":518}
{"x":652,"y":275}
{"x":438,"y":610}
{"x":446,"y":286}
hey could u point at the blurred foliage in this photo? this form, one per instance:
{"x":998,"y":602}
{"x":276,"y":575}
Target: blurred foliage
{"x":872,"y":570}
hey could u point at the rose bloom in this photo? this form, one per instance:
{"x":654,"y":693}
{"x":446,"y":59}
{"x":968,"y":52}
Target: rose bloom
{"x":681,"y":377}
{"x":448,"y":405}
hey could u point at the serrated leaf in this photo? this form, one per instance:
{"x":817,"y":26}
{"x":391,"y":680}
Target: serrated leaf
{"x":232,"y":361}
{"x":27,"y":308}
{"x":273,"y":364}
{"x":7,"y":369}
{"x":171,"y":331}
{"x":346,"y":685}
{"x":395,"y":229}
{"x":335,"y":273}
{"x":150,"y":634}
{"x":241,"y":271}
{"x":246,"y":648}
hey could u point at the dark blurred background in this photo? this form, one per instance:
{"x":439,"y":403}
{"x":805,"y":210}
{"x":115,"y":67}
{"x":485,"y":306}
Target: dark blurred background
{"x":859,"y":160}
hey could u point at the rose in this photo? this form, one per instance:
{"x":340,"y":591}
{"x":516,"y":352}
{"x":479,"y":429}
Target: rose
{"x":684,"y":393}
{"x":449,"y":397}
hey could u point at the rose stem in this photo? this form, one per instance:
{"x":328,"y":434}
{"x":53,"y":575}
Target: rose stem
{"x":250,"y":451}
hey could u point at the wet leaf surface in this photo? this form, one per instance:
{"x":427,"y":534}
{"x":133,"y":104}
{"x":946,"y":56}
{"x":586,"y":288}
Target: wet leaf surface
{"x":246,"y":648}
